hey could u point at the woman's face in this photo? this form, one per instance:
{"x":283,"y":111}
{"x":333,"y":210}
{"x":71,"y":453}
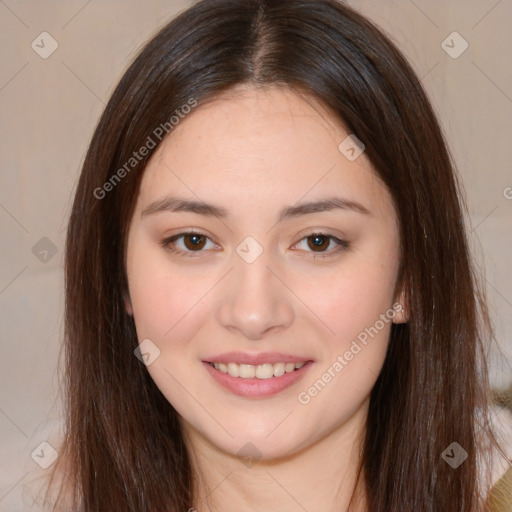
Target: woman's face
{"x":293,"y":260}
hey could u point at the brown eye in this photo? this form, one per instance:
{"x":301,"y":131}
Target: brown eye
{"x":187,"y":244}
{"x":194,"y":241}
{"x":318,"y":243}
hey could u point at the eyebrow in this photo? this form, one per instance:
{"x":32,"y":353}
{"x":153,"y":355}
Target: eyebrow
{"x":176,"y":204}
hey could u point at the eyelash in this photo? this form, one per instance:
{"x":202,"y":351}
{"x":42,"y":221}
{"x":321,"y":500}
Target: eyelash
{"x":343,"y":245}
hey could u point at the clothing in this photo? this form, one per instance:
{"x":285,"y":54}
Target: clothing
{"x":500,"y":499}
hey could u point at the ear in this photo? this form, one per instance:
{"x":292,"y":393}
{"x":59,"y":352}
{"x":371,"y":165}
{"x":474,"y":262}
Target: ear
{"x":128,"y":304}
{"x":401,"y":309}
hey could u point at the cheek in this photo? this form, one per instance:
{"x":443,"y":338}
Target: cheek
{"x":164,"y":302}
{"x":352,"y":301}
{"x":356,"y":305}
{"x":357,"y":311}
{"x":167,"y":310}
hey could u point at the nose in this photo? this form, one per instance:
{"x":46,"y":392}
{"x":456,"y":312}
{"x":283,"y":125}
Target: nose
{"x":254,"y":301}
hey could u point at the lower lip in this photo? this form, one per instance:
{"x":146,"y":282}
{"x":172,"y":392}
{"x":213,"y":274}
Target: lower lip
{"x":257,"y":388}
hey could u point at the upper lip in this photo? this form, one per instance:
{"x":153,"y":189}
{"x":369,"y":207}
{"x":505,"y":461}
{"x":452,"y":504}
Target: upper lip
{"x":256,"y":359}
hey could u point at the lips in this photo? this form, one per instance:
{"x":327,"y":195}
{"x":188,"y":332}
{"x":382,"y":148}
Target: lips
{"x":262,"y":384}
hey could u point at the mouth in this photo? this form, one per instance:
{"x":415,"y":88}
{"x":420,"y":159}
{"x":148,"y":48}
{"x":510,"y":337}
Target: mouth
{"x":256,"y":381}
{"x":260,"y":371}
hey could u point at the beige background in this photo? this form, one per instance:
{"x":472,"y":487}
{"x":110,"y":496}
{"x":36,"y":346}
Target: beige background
{"x":49,"y":108}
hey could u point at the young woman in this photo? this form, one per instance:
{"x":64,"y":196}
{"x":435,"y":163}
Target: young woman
{"x":270,"y":301}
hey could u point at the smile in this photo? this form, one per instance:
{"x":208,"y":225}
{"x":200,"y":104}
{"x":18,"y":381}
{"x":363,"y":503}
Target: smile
{"x":257,"y":381}
{"x":260,"y":371}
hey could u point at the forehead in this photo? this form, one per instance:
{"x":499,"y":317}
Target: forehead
{"x":274,"y":119}
{"x":272,"y":143}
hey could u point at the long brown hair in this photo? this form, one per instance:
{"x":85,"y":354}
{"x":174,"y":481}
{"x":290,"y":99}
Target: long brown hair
{"x":122,"y":437}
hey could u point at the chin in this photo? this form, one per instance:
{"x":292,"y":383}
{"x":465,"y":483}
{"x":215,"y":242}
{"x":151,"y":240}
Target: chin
{"x":260,"y":445}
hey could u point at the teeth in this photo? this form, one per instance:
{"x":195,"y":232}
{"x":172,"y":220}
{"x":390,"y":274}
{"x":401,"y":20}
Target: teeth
{"x":246,"y":371}
{"x":261,"y":371}
{"x":233,"y":370}
{"x":289,"y":367}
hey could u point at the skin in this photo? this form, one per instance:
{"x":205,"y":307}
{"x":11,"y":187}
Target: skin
{"x":254,"y":152}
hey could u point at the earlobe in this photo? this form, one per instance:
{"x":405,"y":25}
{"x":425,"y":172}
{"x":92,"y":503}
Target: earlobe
{"x":128,"y":305}
{"x":400,"y":309}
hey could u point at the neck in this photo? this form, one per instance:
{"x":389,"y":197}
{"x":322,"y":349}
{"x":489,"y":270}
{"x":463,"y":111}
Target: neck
{"x":322,"y":476}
